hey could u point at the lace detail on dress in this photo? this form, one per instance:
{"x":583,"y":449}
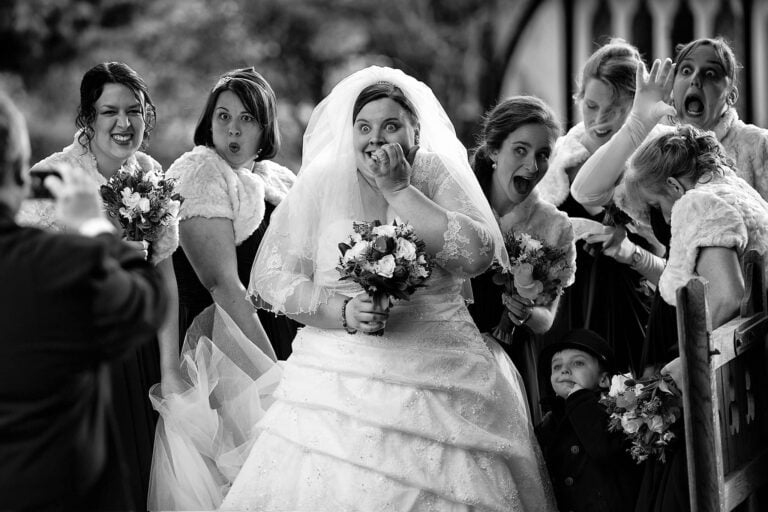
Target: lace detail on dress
{"x":467,"y":239}
{"x":455,"y":247}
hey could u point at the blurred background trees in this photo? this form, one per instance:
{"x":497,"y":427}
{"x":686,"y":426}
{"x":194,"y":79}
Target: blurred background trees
{"x":470,"y":52}
{"x":302,"y":47}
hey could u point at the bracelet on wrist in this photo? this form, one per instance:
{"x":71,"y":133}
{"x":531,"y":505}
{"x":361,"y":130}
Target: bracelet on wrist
{"x":344,"y":316}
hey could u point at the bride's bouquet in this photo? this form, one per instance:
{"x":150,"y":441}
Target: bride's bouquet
{"x":142,"y":200}
{"x":537,"y":272}
{"x":644,"y":410}
{"x":387,"y":261}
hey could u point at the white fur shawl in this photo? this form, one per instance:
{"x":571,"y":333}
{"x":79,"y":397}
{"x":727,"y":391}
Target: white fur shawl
{"x":211,"y":188}
{"x":544,"y":222}
{"x":725,"y":212}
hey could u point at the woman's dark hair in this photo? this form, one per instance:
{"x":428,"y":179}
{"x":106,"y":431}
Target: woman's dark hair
{"x":503,"y":119}
{"x":257,"y":98}
{"x":91,"y":87}
{"x":722,"y":49}
{"x":684,"y":153}
{"x":614,"y":64}
{"x":381,"y":90}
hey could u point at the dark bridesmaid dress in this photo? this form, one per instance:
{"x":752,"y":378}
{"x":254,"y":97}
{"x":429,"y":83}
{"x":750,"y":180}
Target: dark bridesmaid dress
{"x":134,"y":421}
{"x":486,"y":311}
{"x":664,"y":486}
{"x":194,"y":298}
{"x":607,"y":297}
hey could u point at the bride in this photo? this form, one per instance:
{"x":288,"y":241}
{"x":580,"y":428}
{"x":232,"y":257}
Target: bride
{"x":421,"y":418}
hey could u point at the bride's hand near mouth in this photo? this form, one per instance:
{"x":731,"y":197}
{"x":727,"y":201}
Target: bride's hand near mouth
{"x":392,"y":169}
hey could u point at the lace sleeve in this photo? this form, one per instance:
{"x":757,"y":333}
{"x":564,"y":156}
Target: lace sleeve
{"x":284,"y":277}
{"x":468,"y":247}
{"x":280,"y":286}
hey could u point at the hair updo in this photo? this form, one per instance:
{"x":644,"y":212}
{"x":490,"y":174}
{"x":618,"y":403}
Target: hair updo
{"x":615,"y":64}
{"x":503,"y":119}
{"x":685,"y":153}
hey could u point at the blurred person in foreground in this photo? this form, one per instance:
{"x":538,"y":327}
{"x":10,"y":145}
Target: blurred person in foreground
{"x":69,"y":304}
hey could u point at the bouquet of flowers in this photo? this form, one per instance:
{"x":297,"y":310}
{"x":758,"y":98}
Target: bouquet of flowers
{"x":388,"y":261}
{"x":644,"y":410}
{"x":142,"y":200}
{"x":538,"y":272}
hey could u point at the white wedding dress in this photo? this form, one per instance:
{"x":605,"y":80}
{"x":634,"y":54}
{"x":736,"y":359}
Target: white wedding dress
{"x":421,"y":418}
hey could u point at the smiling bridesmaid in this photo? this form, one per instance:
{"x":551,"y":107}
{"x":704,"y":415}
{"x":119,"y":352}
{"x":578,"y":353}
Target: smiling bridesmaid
{"x":115,"y":118}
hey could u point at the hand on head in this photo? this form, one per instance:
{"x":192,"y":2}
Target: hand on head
{"x":654,"y":90}
{"x":392,"y":167}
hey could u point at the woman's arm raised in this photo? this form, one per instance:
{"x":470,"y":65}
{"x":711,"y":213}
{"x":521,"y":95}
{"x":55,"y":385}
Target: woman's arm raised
{"x":595,"y":181}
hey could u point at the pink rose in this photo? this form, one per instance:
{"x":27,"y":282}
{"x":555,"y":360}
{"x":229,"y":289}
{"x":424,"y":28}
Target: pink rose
{"x":525,"y":284}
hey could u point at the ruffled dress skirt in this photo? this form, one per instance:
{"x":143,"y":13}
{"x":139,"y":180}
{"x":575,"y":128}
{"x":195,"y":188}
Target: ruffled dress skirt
{"x":429,"y":416}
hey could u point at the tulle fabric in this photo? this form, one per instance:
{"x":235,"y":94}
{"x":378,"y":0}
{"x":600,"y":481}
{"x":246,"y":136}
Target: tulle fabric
{"x":327,"y":190}
{"x":205,"y":433}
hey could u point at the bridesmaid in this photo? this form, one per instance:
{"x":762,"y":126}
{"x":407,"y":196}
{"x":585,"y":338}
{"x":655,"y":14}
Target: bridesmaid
{"x":114,"y":119}
{"x":511,"y":159}
{"x":607,"y":297}
{"x":231,"y":187}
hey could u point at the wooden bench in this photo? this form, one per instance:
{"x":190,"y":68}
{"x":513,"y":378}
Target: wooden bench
{"x":725,"y":395}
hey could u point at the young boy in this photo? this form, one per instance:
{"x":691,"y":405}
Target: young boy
{"x":590,"y":467}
